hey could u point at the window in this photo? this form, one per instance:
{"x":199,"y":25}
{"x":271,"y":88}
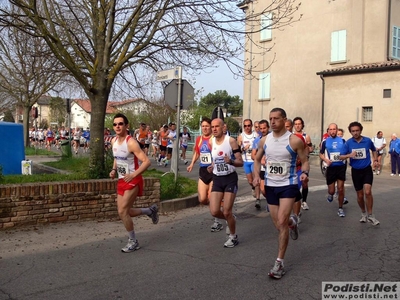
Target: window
{"x":367,"y":114}
{"x":264,"y":86}
{"x":338,"y":46}
{"x":387,"y":93}
{"x":266,"y":31}
{"x":396,"y":42}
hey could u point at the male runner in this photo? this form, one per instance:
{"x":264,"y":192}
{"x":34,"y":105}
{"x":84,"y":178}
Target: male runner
{"x":127,"y":152}
{"x":281,"y":149}
{"x":358,"y":149}
{"x":226,"y":157}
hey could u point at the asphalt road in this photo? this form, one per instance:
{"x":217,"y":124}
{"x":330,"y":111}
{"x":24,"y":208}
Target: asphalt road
{"x":181,"y":259}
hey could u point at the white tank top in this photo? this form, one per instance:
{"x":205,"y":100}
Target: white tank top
{"x":248,"y":140}
{"x":280,"y":161}
{"x":218,"y":153}
{"x":127,"y":162}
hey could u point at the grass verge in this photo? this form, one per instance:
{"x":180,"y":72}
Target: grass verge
{"x":77,"y":166}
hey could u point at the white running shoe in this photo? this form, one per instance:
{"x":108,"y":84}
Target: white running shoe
{"x":231,"y":242}
{"x":131,"y":246}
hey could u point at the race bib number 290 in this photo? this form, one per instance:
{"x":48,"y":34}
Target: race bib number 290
{"x":276,"y":168}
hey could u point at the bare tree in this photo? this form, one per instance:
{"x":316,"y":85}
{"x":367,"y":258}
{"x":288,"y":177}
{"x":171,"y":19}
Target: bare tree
{"x":104,"y":40}
{"x":27,"y":71}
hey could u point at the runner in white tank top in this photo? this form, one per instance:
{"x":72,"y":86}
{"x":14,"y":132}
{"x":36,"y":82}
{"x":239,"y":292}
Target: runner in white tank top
{"x":281,"y":149}
{"x":127,"y":152}
{"x":225,"y":156}
{"x":245,"y":141}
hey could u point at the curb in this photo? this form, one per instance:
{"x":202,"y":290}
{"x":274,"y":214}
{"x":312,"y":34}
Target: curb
{"x":47,"y":168}
{"x":179,"y":203}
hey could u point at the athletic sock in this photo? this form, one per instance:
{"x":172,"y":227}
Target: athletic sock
{"x":146,"y":211}
{"x":132,"y":235}
{"x":304,"y":193}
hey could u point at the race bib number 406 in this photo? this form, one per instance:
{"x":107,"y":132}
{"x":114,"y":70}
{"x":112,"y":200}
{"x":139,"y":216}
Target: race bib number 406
{"x":276,"y":168}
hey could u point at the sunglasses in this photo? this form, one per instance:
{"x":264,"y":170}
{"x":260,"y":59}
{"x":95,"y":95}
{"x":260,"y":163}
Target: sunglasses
{"x":119,"y":124}
{"x":246,"y":125}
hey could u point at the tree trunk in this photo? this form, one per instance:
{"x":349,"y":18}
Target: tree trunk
{"x":26,"y":115}
{"x":97,"y":161}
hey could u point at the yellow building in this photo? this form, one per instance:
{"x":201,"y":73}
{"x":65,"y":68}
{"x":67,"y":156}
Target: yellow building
{"x":337,"y":62}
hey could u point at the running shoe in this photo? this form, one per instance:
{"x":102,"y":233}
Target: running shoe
{"x":154,"y":213}
{"x":304,"y":206}
{"x":294,"y":229}
{"x":216,"y":227}
{"x":340,"y":213}
{"x":371,"y":219}
{"x":277,"y":271}
{"x":345,"y":201}
{"x":392,"y":174}
{"x":231,"y":242}
{"x":329,"y":198}
{"x":378,"y":172}
{"x":186,"y":162}
{"x":131,"y":246}
{"x":258,"y":204}
{"x":363,"y":218}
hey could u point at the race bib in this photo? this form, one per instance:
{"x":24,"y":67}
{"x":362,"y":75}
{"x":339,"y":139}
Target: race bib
{"x":334,"y":156}
{"x":205,"y":158}
{"x":276,"y":168}
{"x":360,"y":153}
{"x":122,"y":168}
{"x":221,"y":168}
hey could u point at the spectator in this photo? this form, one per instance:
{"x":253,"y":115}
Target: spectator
{"x":394,"y":150}
{"x":380,"y":144}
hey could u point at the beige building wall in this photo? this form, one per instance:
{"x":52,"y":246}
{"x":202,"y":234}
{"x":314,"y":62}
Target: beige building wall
{"x":346,"y":96}
{"x":302,"y":49}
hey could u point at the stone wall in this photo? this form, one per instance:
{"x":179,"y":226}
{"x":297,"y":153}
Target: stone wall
{"x":51,"y":202}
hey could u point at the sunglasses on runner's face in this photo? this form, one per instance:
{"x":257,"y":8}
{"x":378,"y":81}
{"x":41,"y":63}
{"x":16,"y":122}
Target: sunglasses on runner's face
{"x":119,"y":124}
{"x":247,"y":125}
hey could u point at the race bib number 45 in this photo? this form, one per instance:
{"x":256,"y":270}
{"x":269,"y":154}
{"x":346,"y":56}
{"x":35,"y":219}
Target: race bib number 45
{"x":276,"y":168}
{"x":360,"y":153}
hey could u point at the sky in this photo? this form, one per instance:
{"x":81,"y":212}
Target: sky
{"x":220,"y":78}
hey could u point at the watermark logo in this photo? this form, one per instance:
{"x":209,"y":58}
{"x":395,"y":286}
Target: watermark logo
{"x":361,"y":290}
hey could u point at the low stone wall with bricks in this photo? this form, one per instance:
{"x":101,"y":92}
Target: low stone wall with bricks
{"x":51,"y":202}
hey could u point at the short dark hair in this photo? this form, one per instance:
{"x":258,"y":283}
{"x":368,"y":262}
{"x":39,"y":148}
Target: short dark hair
{"x":119,"y":115}
{"x":205,"y":119}
{"x":278,"y":109}
{"x":355,"y":123}
{"x":263,"y":121}
{"x":299,"y":118}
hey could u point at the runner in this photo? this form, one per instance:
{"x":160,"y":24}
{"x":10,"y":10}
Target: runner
{"x":281,"y":149}
{"x":225,"y":158}
{"x":202,"y":151}
{"x":358,"y":149}
{"x":127,"y":152}
{"x":263,"y":128}
{"x":336,"y":168}
{"x":245,"y":141}
{"x":184,"y":137}
{"x":298,"y":125}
